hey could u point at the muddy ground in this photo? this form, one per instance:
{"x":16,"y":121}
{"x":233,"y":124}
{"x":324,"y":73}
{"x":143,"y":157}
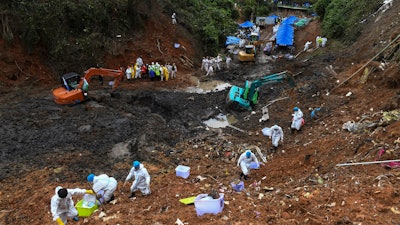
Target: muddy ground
{"x":161,"y":124}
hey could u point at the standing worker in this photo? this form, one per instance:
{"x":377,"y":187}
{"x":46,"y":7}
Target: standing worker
{"x":62,"y":205}
{"x":218,"y":61}
{"x":276,"y":136}
{"x":139,"y":61}
{"x":228,"y":62}
{"x":297,"y":120}
{"x":173,"y":17}
{"x":157,"y":70}
{"x":307,"y":45}
{"x":103,"y":185}
{"x":128,"y":72}
{"x":245,"y":159}
{"x":137,"y":71}
{"x":165,"y":71}
{"x":210,"y":70}
{"x":142,"y":179}
{"x":174,"y":69}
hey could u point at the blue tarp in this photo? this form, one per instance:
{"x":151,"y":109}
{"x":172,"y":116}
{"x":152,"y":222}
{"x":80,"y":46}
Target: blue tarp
{"x":246,"y":24}
{"x":285,"y":35}
{"x":290,"y":20}
{"x":274,"y":16}
{"x":231,"y":40}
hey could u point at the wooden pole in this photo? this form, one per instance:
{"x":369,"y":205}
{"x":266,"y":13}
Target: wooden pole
{"x":366,"y":64}
{"x":365,"y":163}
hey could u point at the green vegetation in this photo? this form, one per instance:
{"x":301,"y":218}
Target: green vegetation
{"x":211,"y":21}
{"x":343,"y":19}
{"x":77,"y":33}
{"x":252,"y":8}
{"x":73,"y":32}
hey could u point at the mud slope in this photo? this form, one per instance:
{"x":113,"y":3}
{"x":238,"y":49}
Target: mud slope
{"x":45,"y":145}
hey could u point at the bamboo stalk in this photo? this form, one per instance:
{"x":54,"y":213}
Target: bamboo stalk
{"x":365,"y":163}
{"x":366,"y":64}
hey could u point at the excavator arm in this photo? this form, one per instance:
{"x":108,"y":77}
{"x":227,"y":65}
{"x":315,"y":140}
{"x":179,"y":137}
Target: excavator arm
{"x":252,"y":93}
{"x":246,"y":97}
{"x":73,"y":92}
{"x":116,"y":74}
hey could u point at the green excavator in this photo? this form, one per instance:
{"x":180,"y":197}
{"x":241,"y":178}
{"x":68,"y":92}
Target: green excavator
{"x":247,"y":97}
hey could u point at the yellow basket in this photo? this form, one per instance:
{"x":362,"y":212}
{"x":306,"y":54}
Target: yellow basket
{"x":84,"y":211}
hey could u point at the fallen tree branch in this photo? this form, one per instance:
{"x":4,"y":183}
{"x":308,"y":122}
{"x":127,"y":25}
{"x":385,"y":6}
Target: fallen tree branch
{"x":158,"y":46}
{"x":275,"y":100}
{"x":264,"y":159}
{"x":238,"y":129}
{"x":187,"y":60}
{"x":213,"y":178}
{"x":16,"y":63}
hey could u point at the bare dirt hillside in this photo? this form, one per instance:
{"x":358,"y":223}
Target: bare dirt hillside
{"x":45,"y":145}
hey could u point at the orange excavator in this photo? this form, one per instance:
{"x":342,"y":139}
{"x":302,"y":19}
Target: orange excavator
{"x":75,"y":88}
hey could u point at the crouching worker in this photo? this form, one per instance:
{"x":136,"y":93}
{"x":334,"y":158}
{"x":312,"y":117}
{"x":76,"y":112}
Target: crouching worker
{"x":245,"y":161}
{"x":142,"y":179}
{"x":62,"y":205}
{"x":103,"y":185}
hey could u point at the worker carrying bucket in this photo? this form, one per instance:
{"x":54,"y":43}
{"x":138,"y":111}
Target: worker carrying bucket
{"x":62,"y":205}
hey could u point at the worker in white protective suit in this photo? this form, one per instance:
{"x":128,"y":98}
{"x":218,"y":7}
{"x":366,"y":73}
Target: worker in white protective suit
{"x":104,"y":186}
{"x":245,"y":161}
{"x":297,"y":120}
{"x":307,"y":45}
{"x":323,"y":42}
{"x":218,"y":61}
{"x":137,"y":71}
{"x":228,"y":62}
{"x":173,"y":17}
{"x":276,"y":136}
{"x":142,"y":179}
{"x":139,"y":61}
{"x":62,"y":205}
{"x":210,"y":70}
{"x":128,"y":72}
{"x":318,"y":41}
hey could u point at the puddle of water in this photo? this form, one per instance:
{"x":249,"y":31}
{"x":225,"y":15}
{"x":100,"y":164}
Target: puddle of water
{"x":220,"y":121}
{"x":208,"y":86}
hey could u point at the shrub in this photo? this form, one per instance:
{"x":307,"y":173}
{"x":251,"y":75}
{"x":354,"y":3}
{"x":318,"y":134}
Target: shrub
{"x":343,"y":19}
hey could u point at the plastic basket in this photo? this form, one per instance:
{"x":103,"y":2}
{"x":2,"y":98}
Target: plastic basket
{"x":182,"y":171}
{"x":87,"y":205}
{"x":211,"y":206}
